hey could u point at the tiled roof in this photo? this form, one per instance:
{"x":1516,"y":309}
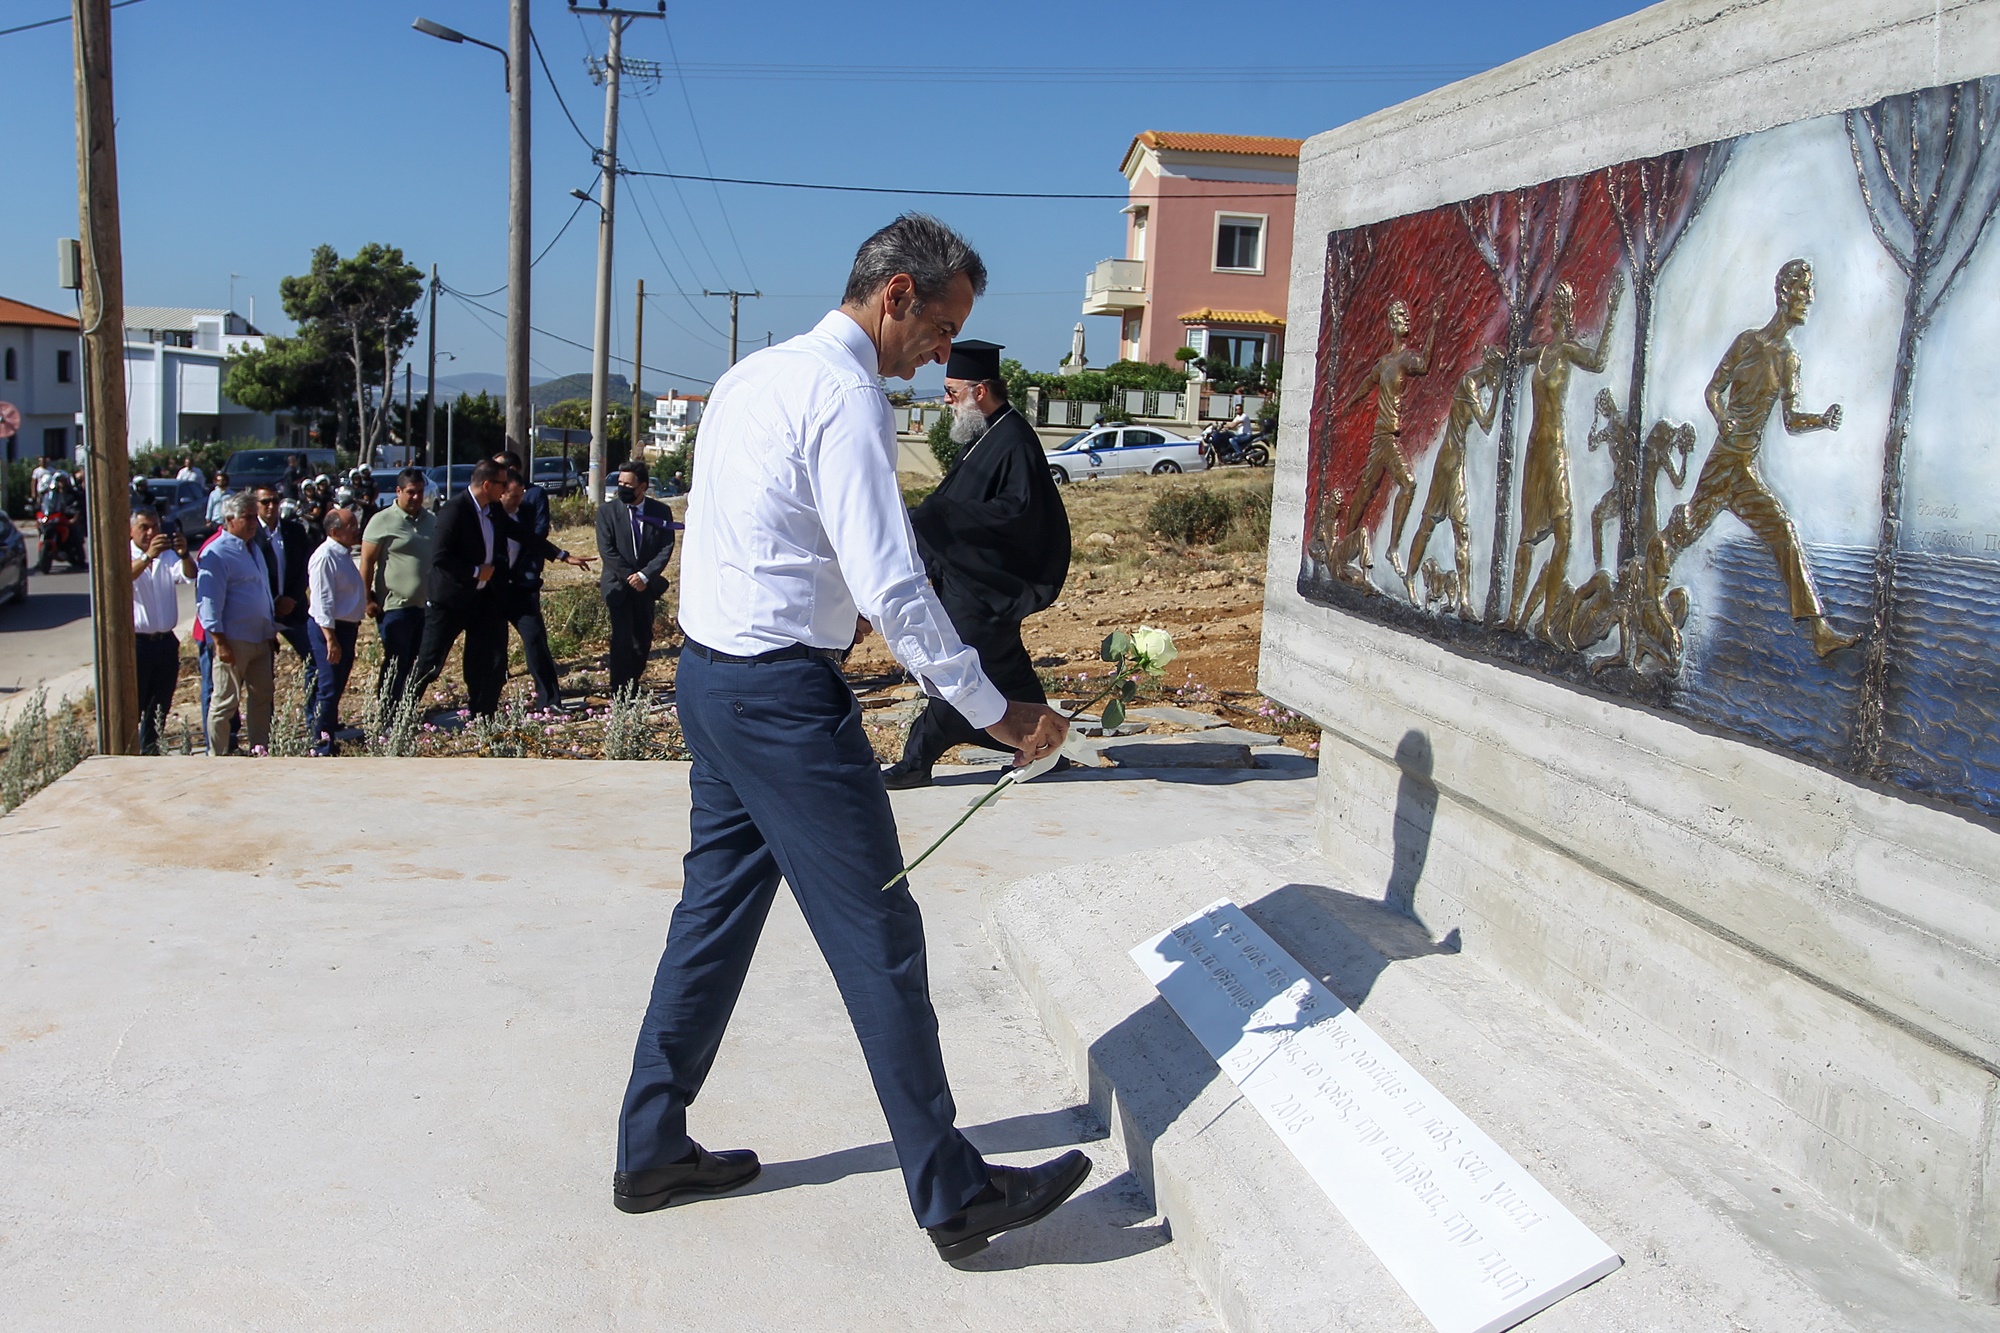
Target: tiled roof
{"x":1254,"y":145}
{"x":20,"y":312}
{"x":1252,"y":318}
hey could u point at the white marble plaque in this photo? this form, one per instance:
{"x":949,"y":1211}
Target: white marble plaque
{"x":1471,"y":1236}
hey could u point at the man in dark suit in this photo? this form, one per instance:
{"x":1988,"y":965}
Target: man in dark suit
{"x":468,"y":586}
{"x":287,"y":552}
{"x":635,"y":536}
{"x":994,"y":538}
{"x":524,"y":592}
{"x":527,"y":503}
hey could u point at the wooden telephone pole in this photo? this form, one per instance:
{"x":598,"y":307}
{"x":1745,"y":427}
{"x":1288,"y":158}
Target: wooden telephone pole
{"x":102,"y":303}
{"x":734,"y":298}
{"x":638,"y":367}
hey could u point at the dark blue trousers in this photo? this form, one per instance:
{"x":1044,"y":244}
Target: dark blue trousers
{"x":785,"y":784}
{"x":331,"y":681}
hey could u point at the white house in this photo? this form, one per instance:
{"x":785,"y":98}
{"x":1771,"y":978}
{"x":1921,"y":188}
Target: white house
{"x":41,"y":374}
{"x":674,"y":416}
{"x":175,"y":360}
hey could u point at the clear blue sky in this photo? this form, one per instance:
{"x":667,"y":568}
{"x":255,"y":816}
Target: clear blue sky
{"x":252,"y":130}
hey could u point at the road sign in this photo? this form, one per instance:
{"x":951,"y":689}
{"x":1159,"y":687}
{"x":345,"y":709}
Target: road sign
{"x":10,"y":420}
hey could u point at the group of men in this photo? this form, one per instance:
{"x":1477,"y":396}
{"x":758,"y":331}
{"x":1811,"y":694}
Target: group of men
{"x":464,"y":574}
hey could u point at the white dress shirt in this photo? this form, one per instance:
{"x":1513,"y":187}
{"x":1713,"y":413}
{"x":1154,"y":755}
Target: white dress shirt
{"x":156,"y":607}
{"x":796,"y":523}
{"x":333,"y":586}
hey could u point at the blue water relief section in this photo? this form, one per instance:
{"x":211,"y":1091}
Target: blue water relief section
{"x":1751,"y":669}
{"x":1943,"y":731}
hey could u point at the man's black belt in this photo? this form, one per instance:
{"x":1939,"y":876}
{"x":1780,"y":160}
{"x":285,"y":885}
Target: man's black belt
{"x":794,"y":653}
{"x":154,"y":634}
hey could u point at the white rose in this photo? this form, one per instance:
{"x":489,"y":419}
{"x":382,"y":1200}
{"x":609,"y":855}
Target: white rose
{"x":1154,"y":648}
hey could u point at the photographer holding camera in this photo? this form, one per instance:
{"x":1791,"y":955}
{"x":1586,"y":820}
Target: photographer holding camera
{"x":160,"y":561}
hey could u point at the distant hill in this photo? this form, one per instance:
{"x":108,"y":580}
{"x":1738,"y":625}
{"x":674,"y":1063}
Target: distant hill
{"x":548,"y":393}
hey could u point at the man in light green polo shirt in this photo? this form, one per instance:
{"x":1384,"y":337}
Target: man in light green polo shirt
{"x":395,"y":568}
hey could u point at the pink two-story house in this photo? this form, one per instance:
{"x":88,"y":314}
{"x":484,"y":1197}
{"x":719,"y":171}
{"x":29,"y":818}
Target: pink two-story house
{"x":1208,"y":248}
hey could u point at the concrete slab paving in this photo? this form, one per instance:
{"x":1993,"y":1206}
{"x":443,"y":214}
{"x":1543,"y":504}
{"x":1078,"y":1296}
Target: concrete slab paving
{"x":294,"y":1044}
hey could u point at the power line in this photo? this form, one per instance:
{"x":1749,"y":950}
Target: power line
{"x":550,"y":76}
{"x":646,"y":119}
{"x":50,"y":23}
{"x":540,"y":257}
{"x":706,"y":165}
{"x":658,"y":370}
{"x":949,"y":194}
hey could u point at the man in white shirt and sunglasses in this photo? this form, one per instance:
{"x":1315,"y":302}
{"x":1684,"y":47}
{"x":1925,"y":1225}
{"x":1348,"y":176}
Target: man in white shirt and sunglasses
{"x":797,"y":540}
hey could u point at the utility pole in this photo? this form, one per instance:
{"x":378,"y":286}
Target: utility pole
{"x":520,"y":260}
{"x":734,"y":297}
{"x":409,"y":408}
{"x":101,"y":301}
{"x":610,"y":71}
{"x":431,"y":375}
{"x":638,"y":365}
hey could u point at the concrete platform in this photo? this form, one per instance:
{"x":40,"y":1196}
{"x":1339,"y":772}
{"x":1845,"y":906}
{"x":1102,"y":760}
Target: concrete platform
{"x":1713,"y":1236}
{"x":292,"y":1044}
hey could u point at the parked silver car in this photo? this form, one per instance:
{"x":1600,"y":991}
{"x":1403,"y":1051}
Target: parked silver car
{"x":1110,"y":451}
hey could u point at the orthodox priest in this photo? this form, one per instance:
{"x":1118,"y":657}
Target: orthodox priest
{"x":995,"y":541}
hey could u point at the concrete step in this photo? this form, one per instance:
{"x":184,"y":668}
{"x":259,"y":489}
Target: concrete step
{"x":1713,"y":1236}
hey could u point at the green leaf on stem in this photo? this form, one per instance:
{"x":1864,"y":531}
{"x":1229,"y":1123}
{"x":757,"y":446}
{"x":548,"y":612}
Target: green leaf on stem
{"x":1117,"y":645}
{"x":1114,"y":716}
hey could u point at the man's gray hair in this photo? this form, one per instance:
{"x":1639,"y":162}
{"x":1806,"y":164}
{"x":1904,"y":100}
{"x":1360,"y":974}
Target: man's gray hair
{"x":243,"y":504}
{"x":921,"y":246}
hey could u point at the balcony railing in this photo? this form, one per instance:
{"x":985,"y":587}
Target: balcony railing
{"x":1115,"y":285}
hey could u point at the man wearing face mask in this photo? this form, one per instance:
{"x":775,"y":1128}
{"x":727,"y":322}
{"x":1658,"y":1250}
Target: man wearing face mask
{"x":635,"y":536}
{"x":995,"y":540}
{"x":796,"y":525}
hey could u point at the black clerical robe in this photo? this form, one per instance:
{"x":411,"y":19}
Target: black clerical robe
{"x":995,"y":540}
{"x":994,"y":535}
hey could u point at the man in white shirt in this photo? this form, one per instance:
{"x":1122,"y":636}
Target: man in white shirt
{"x":191,"y":471}
{"x":159,"y":565}
{"x":336,"y":600}
{"x":795,"y":525}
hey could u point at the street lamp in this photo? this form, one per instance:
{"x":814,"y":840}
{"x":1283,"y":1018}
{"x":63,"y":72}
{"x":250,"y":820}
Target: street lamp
{"x":453,"y":35}
{"x":520,"y":430}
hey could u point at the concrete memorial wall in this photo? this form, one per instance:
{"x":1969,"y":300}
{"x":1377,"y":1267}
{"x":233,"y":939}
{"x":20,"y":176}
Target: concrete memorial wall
{"x":1637,"y":544}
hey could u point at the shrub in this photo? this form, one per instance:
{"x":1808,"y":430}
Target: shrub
{"x":572,"y":511}
{"x":40,"y":749}
{"x":942,"y":448}
{"x":1190,"y":514}
{"x":574,"y":615}
{"x":1253,"y":517}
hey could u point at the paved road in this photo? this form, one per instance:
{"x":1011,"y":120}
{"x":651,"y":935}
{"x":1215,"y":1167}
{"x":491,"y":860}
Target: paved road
{"x":46,"y":639}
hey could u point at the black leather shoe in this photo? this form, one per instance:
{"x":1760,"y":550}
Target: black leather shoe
{"x":1013,"y":1198}
{"x":898,"y":778}
{"x":709,"y":1173}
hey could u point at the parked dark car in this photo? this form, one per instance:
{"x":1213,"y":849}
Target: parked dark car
{"x":447,"y":482}
{"x":13,"y":563}
{"x":182,"y":504}
{"x":249,"y":468}
{"x":557,"y":476}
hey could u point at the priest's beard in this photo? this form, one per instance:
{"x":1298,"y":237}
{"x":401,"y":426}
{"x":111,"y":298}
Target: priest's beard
{"x":968,"y":423}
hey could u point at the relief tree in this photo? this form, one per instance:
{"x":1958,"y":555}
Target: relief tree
{"x":1654,"y":200}
{"x":1929,"y":170}
{"x":1521,"y":236}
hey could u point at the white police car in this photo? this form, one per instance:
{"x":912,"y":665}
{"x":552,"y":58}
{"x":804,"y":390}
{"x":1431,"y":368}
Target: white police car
{"x":1110,"y":451}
